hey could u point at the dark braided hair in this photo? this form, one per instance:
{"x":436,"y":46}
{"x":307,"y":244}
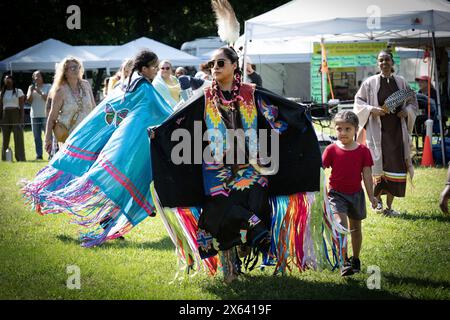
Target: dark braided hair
{"x":218,"y":98}
{"x":142,"y":59}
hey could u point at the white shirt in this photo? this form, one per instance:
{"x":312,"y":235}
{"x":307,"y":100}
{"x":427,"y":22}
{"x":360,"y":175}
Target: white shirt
{"x":11,"y":100}
{"x":38,"y":104}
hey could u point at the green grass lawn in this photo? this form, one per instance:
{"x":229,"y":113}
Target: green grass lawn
{"x":412,"y":252}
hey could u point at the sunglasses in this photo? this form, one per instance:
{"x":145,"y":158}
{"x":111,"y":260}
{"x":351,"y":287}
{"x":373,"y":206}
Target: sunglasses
{"x":220,"y":63}
{"x":73,"y":68}
{"x":165,"y":68}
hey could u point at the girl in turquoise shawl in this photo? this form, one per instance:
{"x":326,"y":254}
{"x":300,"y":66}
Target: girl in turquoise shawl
{"x":102,"y":175}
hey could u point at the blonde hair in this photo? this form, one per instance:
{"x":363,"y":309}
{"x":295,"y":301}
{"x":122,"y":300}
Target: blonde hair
{"x":126,"y":68}
{"x":60,"y":74}
{"x":161,"y":63}
{"x":165,"y":61}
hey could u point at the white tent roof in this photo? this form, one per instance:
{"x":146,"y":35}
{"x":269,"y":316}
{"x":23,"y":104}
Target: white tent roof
{"x":163,"y":51}
{"x":356,"y":17}
{"x":277,"y":50}
{"x":97,"y":50}
{"x":297,"y":50}
{"x":45,"y":55}
{"x":364,"y":19}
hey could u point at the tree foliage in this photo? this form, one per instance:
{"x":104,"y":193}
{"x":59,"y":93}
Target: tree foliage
{"x":108,"y":22}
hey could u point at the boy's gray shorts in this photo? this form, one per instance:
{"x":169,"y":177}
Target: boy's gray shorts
{"x":354,"y":204}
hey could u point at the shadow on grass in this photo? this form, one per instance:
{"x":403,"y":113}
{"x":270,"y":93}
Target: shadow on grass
{"x":287,"y":287}
{"x":162,"y":244}
{"x":422,"y":282}
{"x":416,"y":217}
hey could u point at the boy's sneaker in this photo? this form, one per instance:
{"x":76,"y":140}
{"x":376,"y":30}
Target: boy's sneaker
{"x":391,"y":213}
{"x":379,"y":207}
{"x":347,"y":268}
{"x":351,"y":266}
{"x":356,"y":264}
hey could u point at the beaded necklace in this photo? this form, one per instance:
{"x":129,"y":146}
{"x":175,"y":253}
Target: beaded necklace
{"x":219,"y":99}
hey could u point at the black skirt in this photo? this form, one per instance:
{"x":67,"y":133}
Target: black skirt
{"x":242,"y":217}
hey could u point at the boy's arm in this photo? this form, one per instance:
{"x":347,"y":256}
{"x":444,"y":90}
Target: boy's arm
{"x":445,"y":194}
{"x":368,"y":183}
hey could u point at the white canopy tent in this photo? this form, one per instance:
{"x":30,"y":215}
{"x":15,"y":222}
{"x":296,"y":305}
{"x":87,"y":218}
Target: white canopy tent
{"x":364,"y":19}
{"x":98,"y":50}
{"x":163,"y":51}
{"x":285,"y":64}
{"x":354,"y":19}
{"x":297,"y":50}
{"x":45,"y":55}
{"x":277,"y":50}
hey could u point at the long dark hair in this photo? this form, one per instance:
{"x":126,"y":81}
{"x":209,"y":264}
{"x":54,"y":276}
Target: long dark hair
{"x":4,"y":85}
{"x":142,"y":59}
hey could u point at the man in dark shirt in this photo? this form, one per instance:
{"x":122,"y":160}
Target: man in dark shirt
{"x":252,"y":76}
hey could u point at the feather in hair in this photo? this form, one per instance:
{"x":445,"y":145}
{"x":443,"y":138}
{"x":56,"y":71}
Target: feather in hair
{"x":227,"y":23}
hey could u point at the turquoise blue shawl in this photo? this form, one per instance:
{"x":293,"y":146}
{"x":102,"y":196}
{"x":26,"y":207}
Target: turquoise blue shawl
{"x":101,"y":176}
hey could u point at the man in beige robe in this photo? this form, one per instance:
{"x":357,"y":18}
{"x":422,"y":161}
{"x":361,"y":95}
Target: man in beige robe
{"x":367,"y":109}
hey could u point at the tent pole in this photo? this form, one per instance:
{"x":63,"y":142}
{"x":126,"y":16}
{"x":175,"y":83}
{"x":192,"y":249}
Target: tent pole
{"x":324,"y":73}
{"x":438,"y":102}
{"x":247,"y":35}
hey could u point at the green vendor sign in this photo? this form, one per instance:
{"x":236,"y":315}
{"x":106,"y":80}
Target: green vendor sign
{"x":343,"y":55}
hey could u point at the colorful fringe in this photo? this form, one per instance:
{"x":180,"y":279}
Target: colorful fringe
{"x":304,"y":234}
{"x":334,"y":234}
{"x":47,"y":180}
{"x":181,"y":224}
{"x":54,"y":191}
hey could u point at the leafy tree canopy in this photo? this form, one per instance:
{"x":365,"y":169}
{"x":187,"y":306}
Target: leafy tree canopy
{"x":108,"y":22}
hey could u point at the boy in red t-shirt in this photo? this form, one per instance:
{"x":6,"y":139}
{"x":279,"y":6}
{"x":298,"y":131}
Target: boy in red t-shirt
{"x":350,"y":163}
